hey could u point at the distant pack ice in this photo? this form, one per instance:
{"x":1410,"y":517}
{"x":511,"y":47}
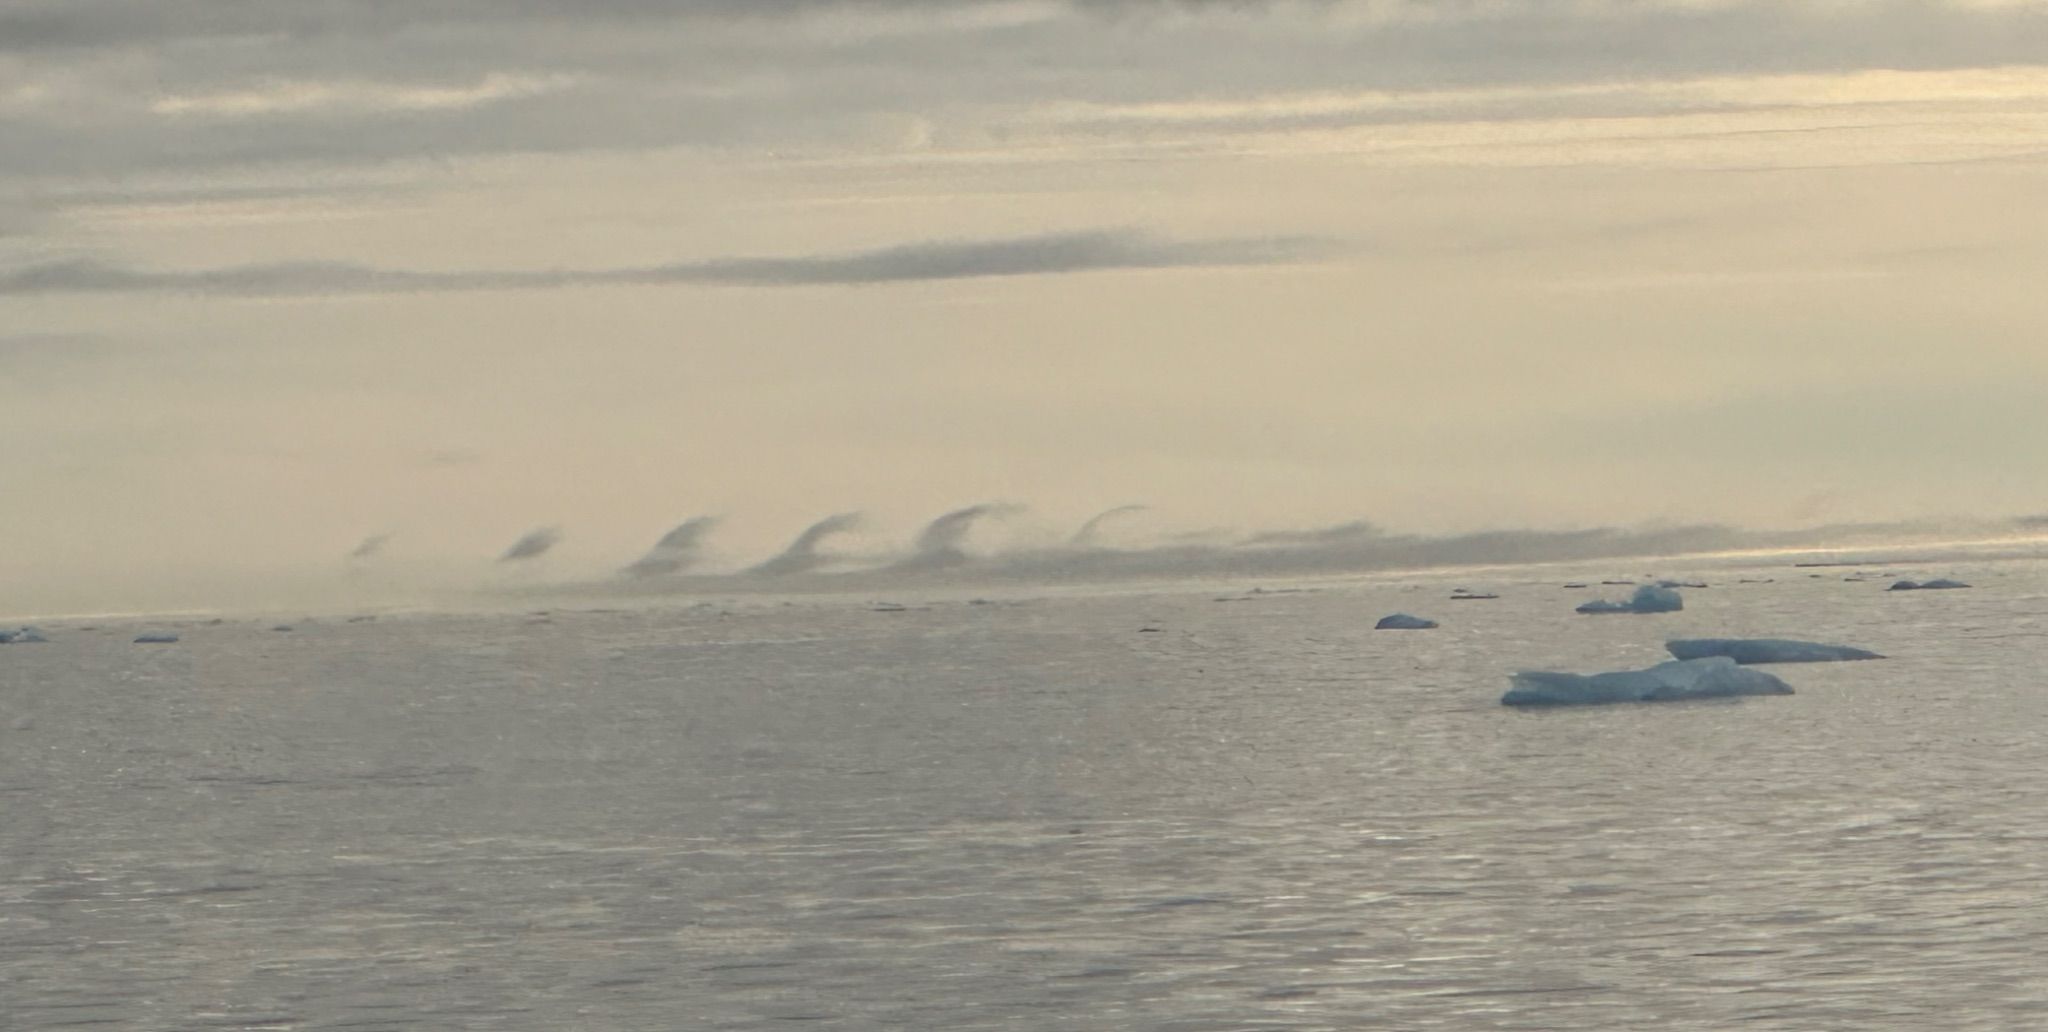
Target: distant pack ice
{"x":1765,"y":650}
{"x":1666,"y":682}
{"x":1650,"y":598}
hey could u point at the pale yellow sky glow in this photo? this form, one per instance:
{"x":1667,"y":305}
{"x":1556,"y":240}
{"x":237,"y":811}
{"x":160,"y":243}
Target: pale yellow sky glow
{"x":274,"y":284}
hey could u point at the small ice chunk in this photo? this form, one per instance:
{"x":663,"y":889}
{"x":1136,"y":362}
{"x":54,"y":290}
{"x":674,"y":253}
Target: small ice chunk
{"x":1404,"y":622}
{"x":22,"y":636}
{"x":1937,"y":584}
{"x":1649,"y":598}
{"x":1765,"y":650}
{"x":156,"y":639}
{"x":1713,"y":677}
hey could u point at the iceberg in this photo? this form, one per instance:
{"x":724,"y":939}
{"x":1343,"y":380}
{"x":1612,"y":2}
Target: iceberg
{"x":22,"y":636}
{"x":1937,"y":584}
{"x":1603,"y":606}
{"x":1404,"y":622}
{"x":1649,"y":598}
{"x":1712,"y":677}
{"x":1765,"y":650}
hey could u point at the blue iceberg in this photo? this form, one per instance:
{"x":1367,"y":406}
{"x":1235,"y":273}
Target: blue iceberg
{"x":1713,"y":677}
{"x":1404,"y":622}
{"x":22,"y":636}
{"x":1765,"y":650}
{"x":1650,"y":598}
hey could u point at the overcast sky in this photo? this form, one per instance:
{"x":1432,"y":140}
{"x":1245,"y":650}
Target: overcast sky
{"x":278,"y":277}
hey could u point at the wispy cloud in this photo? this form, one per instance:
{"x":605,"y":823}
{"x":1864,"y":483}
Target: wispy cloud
{"x":289,"y":97}
{"x":103,"y":86}
{"x":929,"y":260}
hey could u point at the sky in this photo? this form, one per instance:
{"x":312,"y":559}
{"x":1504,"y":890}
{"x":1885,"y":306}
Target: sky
{"x":276,"y":279}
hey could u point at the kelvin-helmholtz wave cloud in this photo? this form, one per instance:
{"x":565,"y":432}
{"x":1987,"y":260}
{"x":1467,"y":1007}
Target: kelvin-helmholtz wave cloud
{"x":675,"y":552}
{"x":1086,"y":535}
{"x":1038,"y":255}
{"x":940,"y":543}
{"x":937,"y":554}
{"x":802,"y":554}
{"x":532,"y":545}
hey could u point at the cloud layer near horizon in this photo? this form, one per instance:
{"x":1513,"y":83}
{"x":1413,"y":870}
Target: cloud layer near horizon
{"x":932,"y":260}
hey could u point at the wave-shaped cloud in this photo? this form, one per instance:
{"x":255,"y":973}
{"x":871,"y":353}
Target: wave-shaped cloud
{"x":676,"y":550}
{"x":532,"y":545}
{"x":802,"y":554}
{"x":1352,"y":547}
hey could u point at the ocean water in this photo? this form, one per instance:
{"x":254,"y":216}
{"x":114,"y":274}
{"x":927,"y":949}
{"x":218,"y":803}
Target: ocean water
{"x":1191,"y":807}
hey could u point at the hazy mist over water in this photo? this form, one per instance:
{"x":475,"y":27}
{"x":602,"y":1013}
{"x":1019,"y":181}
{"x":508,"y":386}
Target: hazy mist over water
{"x":834,"y":555}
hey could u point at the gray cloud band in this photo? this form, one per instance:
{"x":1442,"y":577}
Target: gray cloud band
{"x":931,"y":260}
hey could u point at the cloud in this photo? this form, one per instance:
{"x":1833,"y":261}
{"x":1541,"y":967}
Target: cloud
{"x":106,"y":87}
{"x":929,"y":260}
{"x":532,"y":544}
{"x":1339,"y":534}
{"x":676,"y":550}
{"x":1353,"y":547}
{"x":802,"y":555}
{"x":287,"y":97}
{"x":1086,"y":536}
{"x":940,"y":542}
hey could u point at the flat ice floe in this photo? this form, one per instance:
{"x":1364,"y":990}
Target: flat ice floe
{"x":1766,"y":650}
{"x":1713,"y":677}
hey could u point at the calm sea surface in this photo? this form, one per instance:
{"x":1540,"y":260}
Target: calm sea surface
{"x":1032,"y":812}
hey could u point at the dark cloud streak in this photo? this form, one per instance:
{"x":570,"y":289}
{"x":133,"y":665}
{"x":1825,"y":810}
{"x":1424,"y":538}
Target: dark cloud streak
{"x":931,"y":260}
{"x":532,"y":545}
